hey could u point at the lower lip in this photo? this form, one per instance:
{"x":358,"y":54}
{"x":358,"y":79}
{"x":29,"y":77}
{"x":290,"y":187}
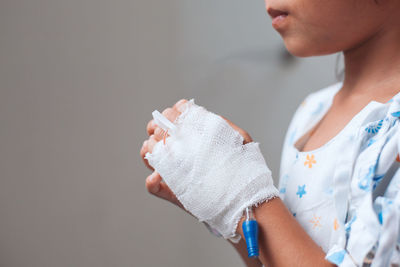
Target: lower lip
{"x":278,"y":21}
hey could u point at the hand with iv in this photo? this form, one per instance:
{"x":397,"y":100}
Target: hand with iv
{"x":206,"y":165}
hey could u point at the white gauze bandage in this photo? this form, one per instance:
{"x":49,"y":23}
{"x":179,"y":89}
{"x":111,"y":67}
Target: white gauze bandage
{"x":211,"y":172}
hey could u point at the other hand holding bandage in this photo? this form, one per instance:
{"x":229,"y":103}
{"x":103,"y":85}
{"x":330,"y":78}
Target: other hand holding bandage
{"x":209,"y":168}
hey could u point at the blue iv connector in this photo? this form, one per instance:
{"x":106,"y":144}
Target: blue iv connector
{"x":250,"y":231}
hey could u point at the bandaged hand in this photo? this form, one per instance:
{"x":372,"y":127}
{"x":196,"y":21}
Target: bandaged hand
{"x":208,"y":169}
{"x":154,"y":183}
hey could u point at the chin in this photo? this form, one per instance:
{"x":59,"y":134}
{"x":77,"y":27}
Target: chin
{"x":300,"y":51}
{"x":305,"y":48}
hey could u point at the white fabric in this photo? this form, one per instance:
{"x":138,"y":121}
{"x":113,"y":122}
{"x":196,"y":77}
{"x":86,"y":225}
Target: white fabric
{"x":346,"y":193}
{"x":210,"y":171}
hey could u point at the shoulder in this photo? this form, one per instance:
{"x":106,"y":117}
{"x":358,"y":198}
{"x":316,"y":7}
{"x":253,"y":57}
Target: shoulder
{"x":314,"y":104}
{"x":323,"y":95}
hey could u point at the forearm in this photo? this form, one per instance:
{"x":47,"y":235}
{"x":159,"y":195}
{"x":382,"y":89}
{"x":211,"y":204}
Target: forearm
{"x":282,"y":240}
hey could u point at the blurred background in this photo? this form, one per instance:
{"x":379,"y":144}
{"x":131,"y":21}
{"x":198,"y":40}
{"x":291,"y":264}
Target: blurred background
{"x":78,"y":82}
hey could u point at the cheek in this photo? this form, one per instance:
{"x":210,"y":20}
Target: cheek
{"x":307,"y":38}
{"x":327,"y":29}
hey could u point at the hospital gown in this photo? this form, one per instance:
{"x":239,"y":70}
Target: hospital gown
{"x":345,"y":194}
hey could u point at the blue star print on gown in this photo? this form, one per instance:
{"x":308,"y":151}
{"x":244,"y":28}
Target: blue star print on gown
{"x":301,"y":191}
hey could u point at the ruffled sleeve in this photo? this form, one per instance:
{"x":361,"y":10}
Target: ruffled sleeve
{"x":368,"y":204}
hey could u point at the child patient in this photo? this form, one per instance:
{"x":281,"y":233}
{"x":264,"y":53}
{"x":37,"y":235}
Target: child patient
{"x":338,"y":201}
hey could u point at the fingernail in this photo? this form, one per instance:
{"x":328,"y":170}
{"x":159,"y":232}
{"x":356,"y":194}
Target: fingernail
{"x":153,"y":177}
{"x":180,"y":105}
{"x":180,"y":102}
{"x":155,"y":187}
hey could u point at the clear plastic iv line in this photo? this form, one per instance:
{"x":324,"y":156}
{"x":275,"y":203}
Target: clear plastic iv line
{"x":163,"y":122}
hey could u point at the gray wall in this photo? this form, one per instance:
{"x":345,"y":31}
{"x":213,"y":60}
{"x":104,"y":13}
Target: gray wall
{"x":78,"y":82}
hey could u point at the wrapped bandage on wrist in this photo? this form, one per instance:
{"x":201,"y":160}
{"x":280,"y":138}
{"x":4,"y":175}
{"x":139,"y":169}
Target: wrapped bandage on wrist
{"x":212,"y":173}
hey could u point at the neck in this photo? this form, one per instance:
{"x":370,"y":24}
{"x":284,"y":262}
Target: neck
{"x":373,"y":67}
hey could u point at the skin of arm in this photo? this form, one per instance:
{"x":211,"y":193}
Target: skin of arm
{"x":282,"y":241}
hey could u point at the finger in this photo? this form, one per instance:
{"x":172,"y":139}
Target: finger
{"x":178,"y":105}
{"x":151,"y":143}
{"x":143,"y":152}
{"x":153,"y":183}
{"x":247,"y":138}
{"x":171,"y":114}
{"x":157,"y":187}
{"x":159,"y":134}
{"x":151,"y":127}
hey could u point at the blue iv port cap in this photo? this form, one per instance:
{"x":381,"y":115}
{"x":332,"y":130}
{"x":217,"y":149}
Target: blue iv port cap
{"x":250,"y":231}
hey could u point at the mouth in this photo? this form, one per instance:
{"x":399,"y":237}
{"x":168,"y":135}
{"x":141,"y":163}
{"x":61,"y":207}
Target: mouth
{"x":278,"y":17}
{"x":274,"y":13}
